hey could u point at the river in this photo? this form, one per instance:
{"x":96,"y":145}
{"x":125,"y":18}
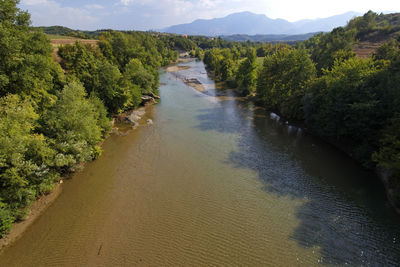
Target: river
{"x":214,"y":182}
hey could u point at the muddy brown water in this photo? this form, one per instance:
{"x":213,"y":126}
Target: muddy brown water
{"x":214,"y":182}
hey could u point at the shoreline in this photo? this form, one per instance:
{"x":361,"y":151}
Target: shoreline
{"x":176,"y":68}
{"x":38,"y":207}
{"x":381,"y":174}
{"x":43,"y":202}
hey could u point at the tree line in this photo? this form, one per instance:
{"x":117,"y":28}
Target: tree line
{"x":53,"y":116}
{"x":350,"y":101}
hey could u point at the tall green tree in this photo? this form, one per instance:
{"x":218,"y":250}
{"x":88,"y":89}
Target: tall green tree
{"x":329,"y":47}
{"x":282,"y":81}
{"x":72,"y":125}
{"x":25,"y":159}
{"x":26,"y":65}
{"x":344,"y":104}
{"x":246,"y":75}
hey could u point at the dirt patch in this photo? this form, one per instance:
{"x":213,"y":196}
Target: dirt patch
{"x":56,"y":57}
{"x":184,"y":60}
{"x":365,"y":49}
{"x":176,"y":68}
{"x":58,"y":42}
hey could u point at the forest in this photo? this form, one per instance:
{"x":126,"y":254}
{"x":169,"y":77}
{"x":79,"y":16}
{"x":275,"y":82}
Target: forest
{"x":54,"y":115}
{"x":322,"y":84}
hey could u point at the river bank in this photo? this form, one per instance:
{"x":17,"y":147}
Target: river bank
{"x":214,"y":181}
{"x":35,"y":210}
{"x":224,"y":92}
{"x":121,"y":124}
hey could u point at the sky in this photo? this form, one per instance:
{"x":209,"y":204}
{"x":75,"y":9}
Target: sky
{"x":158,"y":14}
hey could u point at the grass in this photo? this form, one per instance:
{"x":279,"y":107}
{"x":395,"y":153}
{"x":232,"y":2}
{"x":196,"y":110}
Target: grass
{"x":59,"y":40}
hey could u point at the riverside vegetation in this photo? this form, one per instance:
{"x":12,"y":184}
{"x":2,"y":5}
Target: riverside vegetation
{"x":352,"y":102}
{"x":53,"y":116}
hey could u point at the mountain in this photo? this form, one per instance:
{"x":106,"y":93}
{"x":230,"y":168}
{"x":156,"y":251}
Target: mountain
{"x":253,"y":24}
{"x":324,"y":24}
{"x":268,"y":37}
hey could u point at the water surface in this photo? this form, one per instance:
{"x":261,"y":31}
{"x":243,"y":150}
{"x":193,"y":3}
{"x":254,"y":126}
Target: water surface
{"x":214,"y":182}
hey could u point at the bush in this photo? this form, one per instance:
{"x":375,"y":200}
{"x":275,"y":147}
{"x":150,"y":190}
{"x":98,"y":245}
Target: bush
{"x":6,"y":219}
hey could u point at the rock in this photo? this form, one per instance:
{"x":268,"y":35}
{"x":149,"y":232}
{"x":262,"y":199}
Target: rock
{"x":135,"y":116}
{"x":153,"y":95}
{"x":192,"y":80}
{"x":132,"y":118}
{"x":148,"y":100}
{"x":115,"y":130}
{"x":149,"y":122}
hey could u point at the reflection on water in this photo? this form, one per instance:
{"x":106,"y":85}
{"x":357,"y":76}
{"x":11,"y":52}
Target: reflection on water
{"x":214,"y":182}
{"x":344,"y":210}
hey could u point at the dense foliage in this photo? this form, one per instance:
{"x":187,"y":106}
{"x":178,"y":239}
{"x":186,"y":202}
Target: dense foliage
{"x":374,"y":27}
{"x":353,"y":103}
{"x":53,"y":116}
{"x":283,"y":80}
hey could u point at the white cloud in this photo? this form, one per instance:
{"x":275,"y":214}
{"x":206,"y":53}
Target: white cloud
{"x":34,"y":2}
{"x":138,"y":2}
{"x":156,"y":14}
{"x":94,"y":6}
{"x":310,"y":9}
{"x":49,"y":12}
{"x":126,"y":2}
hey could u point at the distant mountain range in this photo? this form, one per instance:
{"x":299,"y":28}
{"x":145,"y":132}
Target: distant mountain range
{"x":252,"y":24}
{"x":269,"y":37}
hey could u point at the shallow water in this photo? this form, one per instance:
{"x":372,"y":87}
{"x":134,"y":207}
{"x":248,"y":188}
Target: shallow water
{"x":214,"y":182}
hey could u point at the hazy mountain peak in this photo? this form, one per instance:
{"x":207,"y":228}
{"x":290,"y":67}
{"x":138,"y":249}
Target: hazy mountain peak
{"x":250,"y":23}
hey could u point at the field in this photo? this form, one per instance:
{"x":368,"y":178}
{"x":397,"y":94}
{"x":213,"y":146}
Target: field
{"x":365,"y":49}
{"x":59,"y":40}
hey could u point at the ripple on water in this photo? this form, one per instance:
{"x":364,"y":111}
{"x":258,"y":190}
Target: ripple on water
{"x":213,"y":183}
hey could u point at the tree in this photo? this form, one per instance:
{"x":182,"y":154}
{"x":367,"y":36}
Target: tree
{"x":388,"y":155}
{"x":137,"y":74}
{"x":282,"y":81}
{"x":49,"y":127}
{"x":363,"y":24}
{"x":329,"y":47}
{"x":387,"y":51}
{"x":72,"y":126}
{"x":246,"y":75}
{"x":26,"y":66}
{"x":102,"y":78}
{"x":346,"y":103}
{"x":12,"y":15}
{"x":25,"y":159}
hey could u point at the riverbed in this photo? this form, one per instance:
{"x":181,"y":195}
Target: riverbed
{"x":214,"y":181}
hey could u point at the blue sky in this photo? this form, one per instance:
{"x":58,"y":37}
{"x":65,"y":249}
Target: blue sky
{"x":156,"y":14}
